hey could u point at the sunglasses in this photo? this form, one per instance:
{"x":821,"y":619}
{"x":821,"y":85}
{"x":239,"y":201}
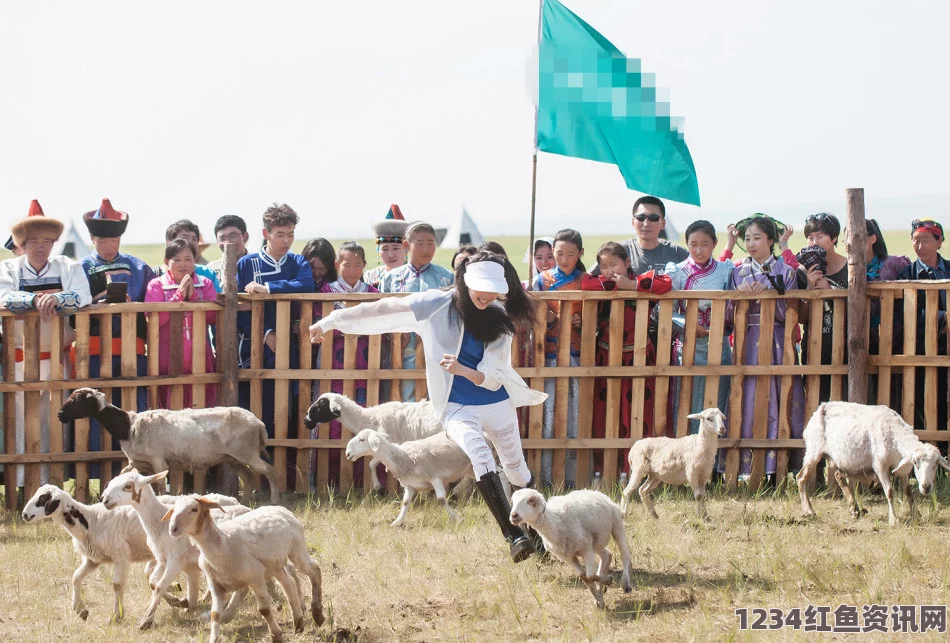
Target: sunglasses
{"x":652,"y":218}
{"x":918,"y":224}
{"x":821,"y":216}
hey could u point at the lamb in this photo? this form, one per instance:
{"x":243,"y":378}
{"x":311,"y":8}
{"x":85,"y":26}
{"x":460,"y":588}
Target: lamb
{"x":862,"y":442}
{"x":430,"y":463}
{"x":134,"y":490}
{"x":687,"y":460}
{"x":189,"y":439}
{"x":247,"y":551}
{"x":398,"y":421}
{"x":99,"y":536}
{"x":577,"y":526}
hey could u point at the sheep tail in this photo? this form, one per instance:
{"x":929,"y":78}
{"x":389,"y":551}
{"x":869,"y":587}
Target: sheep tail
{"x":263,"y":433}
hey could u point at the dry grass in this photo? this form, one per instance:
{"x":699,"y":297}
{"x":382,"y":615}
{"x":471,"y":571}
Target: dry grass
{"x":434,"y":580}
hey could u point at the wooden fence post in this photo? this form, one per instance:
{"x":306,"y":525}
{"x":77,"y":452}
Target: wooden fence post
{"x":226,"y":323}
{"x":857,"y":298}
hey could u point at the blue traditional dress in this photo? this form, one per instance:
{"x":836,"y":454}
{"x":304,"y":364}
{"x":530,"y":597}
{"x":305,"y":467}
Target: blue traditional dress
{"x":289,"y":274}
{"x":408,"y":278}
{"x":688,"y":275}
{"x":750,"y":271}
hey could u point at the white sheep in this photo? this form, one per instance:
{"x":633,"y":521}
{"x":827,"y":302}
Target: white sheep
{"x":862,"y":442}
{"x":172,"y":555}
{"x":576,"y":529}
{"x":188,"y":439}
{"x":398,"y":421}
{"x":247,"y":551}
{"x":430,"y":463}
{"x":99,"y":536}
{"x":687,"y":460}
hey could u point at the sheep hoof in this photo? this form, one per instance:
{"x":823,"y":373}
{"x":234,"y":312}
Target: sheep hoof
{"x":317,"y":614}
{"x":298,"y":625}
{"x":84,"y":613}
{"x":183,"y":603}
{"x":627,"y":589}
{"x":144,"y":625}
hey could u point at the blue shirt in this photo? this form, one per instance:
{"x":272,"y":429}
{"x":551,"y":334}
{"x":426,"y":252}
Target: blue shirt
{"x":464,"y":390}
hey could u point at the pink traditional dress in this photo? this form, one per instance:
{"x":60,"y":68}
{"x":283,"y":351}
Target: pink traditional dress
{"x":359,"y":393}
{"x":165,"y":288}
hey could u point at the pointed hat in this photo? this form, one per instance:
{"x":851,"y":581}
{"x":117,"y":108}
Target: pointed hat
{"x":106,"y":221}
{"x":392,"y":229}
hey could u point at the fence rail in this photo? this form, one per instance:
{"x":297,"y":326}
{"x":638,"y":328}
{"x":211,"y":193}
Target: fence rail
{"x":618,"y":389}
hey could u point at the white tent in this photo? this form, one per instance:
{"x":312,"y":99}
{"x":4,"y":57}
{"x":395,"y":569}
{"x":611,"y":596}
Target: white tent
{"x":463,"y":232}
{"x":71,"y":244}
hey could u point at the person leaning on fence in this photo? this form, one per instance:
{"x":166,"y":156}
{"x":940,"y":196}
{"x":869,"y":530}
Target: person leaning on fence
{"x":567,"y":274}
{"x":104,"y":267}
{"x":350,"y":264}
{"x":181,"y":282}
{"x":185,"y":229}
{"x":466,"y":335}
{"x":647,"y":250}
{"x":35,"y":281}
{"x":277,"y":271}
{"x":822,"y":268}
{"x":418,"y":274}
{"x":928,"y":236}
{"x":229,"y":228}
{"x":615,"y":274}
{"x":761,"y":271}
{"x":700,"y":272}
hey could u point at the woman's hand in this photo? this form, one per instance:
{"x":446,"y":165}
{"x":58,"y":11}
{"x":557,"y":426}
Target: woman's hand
{"x":783,"y":240}
{"x":186,"y":288}
{"x":576,"y":320}
{"x":316,"y":334}
{"x":701,"y":330}
{"x":552,"y":317}
{"x":732,"y":235}
{"x":816,"y":279}
{"x":751,"y":287}
{"x":452,"y":365}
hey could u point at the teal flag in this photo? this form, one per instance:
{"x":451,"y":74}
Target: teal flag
{"x":595,"y":103}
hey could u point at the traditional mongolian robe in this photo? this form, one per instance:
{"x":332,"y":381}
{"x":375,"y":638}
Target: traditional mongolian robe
{"x":407,"y":278}
{"x":557,"y":279}
{"x":747,"y":272}
{"x":19,"y":284}
{"x":164,"y":289}
{"x":688,"y":275}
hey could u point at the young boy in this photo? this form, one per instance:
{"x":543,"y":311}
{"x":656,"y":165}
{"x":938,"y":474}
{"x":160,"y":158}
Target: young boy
{"x":273,"y":270}
{"x":417,"y":275}
{"x":185,"y":229}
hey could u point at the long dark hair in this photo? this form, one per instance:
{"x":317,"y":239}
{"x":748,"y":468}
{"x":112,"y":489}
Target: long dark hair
{"x":568,"y":235}
{"x":879,"y":248}
{"x":493,"y":322}
{"x":322,"y":250}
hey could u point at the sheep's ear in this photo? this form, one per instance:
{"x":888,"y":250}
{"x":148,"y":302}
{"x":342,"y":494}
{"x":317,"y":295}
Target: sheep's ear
{"x":695,"y":416}
{"x":168,"y":515}
{"x":207,"y":504}
{"x":147,"y":480}
{"x":942,"y":461}
{"x":903,"y":467}
{"x":373,"y":441}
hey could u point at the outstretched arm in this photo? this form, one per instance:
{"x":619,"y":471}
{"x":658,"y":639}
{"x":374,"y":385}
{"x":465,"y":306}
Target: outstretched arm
{"x":389,"y":315}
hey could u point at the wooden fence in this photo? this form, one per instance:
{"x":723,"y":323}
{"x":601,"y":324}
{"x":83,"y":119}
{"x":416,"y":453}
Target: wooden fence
{"x":893,"y":367}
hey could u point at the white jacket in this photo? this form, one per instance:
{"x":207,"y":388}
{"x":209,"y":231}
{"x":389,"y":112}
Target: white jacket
{"x":430,"y":314}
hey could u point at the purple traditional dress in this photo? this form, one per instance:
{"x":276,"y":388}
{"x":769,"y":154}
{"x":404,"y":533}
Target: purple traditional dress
{"x":750,"y":271}
{"x":359,"y":394}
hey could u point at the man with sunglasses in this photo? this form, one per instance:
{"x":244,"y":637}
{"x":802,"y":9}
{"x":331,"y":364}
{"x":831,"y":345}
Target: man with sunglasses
{"x":647,"y":251}
{"x":927,"y":236}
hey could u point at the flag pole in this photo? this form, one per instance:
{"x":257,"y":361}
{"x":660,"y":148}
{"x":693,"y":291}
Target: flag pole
{"x":534,"y":159}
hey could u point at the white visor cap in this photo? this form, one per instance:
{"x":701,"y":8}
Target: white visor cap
{"x":486,"y":276}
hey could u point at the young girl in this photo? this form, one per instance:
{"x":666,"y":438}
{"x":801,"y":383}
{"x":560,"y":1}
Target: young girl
{"x":466,"y":335}
{"x":567,"y":274}
{"x":389,"y":234}
{"x":758,"y":272}
{"x":350,"y":264}
{"x":700,"y":272}
{"x":614,"y":264}
{"x":461,"y":254}
{"x":180,"y":283}
{"x":542,"y":259}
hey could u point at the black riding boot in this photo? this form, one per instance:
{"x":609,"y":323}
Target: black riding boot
{"x":533,"y":535}
{"x":494,"y":495}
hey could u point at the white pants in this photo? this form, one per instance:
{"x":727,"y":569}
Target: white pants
{"x":21,"y":422}
{"x":467,"y":426}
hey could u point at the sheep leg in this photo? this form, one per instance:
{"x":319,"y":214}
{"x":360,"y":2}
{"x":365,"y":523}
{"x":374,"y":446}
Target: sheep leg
{"x":217,"y":607}
{"x":590,"y":577}
{"x":120,"y":574}
{"x":804,"y":479}
{"x":193,"y":574}
{"x":85,"y":568}
{"x":246,"y":481}
{"x":699,"y":492}
{"x":234,"y":604}
{"x":293,"y":597}
{"x":172,"y":567}
{"x":407,"y":495}
{"x":885,"y":477}
{"x":620,"y":537}
{"x":603,"y":571}
{"x":439,"y":489}
{"x":373,"y":464}
{"x":266,"y":607}
{"x":848,"y":490}
{"x":645,"y":490}
{"x":627,"y":492}
{"x":260,"y":467}
{"x":908,"y":492}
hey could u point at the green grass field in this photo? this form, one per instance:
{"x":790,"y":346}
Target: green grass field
{"x":435,"y":580}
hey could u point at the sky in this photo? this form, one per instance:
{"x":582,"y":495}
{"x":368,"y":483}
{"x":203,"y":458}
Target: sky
{"x":196,"y":109}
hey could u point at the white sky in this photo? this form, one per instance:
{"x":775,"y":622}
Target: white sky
{"x":195,"y":109}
